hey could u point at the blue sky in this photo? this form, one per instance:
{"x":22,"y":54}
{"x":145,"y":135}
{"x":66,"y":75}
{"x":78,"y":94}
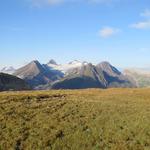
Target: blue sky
{"x":117,"y":31}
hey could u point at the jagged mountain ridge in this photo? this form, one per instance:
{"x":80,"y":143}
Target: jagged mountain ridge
{"x":74,"y":75}
{"x":103,"y":75}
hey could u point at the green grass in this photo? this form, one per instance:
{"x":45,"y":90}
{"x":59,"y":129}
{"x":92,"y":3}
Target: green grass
{"x":113,"y":119}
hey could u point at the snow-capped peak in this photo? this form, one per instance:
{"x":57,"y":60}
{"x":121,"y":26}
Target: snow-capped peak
{"x":8,"y":70}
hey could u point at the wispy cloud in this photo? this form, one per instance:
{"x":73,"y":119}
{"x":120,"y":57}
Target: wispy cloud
{"x":145,"y":24}
{"x":39,"y":3}
{"x":107,"y":32}
{"x":141,"y":25}
{"x":58,"y":2}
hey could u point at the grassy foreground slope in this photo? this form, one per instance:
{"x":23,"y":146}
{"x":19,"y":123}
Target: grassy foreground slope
{"x":117,"y":119}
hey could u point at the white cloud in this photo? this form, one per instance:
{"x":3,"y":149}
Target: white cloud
{"x":141,"y":25}
{"x":146,"y":13}
{"x":106,"y":32}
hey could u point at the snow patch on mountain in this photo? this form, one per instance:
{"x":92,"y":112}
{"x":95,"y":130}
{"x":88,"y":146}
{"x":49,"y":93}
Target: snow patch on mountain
{"x":64,"y":68}
{"x":8,"y":70}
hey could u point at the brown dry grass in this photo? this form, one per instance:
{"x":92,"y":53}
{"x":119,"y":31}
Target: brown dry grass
{"x":117,"y":119}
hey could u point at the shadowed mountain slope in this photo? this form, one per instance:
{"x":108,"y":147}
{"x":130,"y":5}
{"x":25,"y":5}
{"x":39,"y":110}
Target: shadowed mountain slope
{"x":9,"y":82}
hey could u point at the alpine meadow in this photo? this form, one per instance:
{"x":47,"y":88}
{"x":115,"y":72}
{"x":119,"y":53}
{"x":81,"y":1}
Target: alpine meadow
{"x":75,"y":75}
{"x":80,"y":119}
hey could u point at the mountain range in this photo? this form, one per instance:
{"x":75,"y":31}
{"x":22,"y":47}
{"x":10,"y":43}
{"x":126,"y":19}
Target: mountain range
{"x":73,"y":75}
{"x":36,"y":74}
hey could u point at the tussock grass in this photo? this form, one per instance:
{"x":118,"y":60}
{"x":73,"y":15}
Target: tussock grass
{"x":92,"y":119}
